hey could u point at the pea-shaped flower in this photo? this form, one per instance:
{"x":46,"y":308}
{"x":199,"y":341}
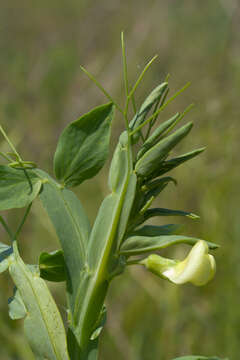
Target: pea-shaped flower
{"x":198,"y":267}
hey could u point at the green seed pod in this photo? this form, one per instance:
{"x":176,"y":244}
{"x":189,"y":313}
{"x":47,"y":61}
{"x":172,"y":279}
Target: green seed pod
{"x":146,"y":106}
{"x":153,"y":139}
{"x":151,"y":160}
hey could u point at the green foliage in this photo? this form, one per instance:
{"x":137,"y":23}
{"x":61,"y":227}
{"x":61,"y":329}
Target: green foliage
{"x":71,"y":225}
{"x":90,"y":259}
{"x":17,"y":189}
{"x":33,"y":301}
{"x":83,"y":146}
{"x":137,"y":245}
{"x":152,"y":159}
{"x":52,"y":266}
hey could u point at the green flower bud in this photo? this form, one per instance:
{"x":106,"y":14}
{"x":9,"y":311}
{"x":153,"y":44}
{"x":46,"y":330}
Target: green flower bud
{"x":198,"y":267}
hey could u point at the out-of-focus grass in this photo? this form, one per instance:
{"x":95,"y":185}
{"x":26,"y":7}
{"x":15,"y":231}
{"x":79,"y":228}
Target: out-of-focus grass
{"x":42,"y":89}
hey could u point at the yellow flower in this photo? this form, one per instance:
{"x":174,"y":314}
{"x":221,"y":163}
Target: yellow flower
{"x":198,"y":267}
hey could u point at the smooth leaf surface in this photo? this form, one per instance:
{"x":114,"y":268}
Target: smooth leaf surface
{"x":168,"y":212}
{"x":15,"y":188}
{"x":83,"y":146}
{"x":42,"y":324}
{"x":137,"y":245}
{"x":126,"y":209}
{"x":102,"y":248}
{"x":71,"y":225}
{"x":153,"y":212}
{"x":52,"y":266}
{"x":152,"y":159}
{"x":17,"y":309}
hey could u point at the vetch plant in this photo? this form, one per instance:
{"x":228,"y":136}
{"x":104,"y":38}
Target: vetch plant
{"x":90,"y":258}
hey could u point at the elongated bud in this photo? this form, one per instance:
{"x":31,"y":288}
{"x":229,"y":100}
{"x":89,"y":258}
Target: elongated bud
{"x":198,"y":267}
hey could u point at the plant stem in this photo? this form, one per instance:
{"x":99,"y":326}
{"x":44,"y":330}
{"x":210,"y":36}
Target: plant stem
{"x":6,"y":227}
{"x":10,"y":143}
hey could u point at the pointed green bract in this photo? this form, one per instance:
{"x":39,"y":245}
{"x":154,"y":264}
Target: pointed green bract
{"x":52,"y":266}
{"x":173,"y":163}
{"x":152,"y":159}
{"x":83,"y":146}
{"x":137,"y":245}
{"x":168,"y":212}
{"x":16,"y":189}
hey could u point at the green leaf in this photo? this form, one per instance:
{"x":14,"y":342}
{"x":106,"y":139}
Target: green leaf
{"x":71,"y":225}
{"x":153,"y":212}
{"x":5,"y":254}
{"x":151,"y":230}
{"x":52,"y":266}
{"x":173,"y":163}
{"x":103,"y":246}
{"x":100,"y":323}
{"x":154,"y":138}
{"x":168,"y":212}
{"x":126,"y":209}
{"x":152,"y":159}
{"x":119,"y":164}
{"x":199,"y":357}
{"x":137,"y":245}
{"x":83,"y":146}
{"x":43,"y":325}
{"x":16,"y":190}
{"x":17,"y":309}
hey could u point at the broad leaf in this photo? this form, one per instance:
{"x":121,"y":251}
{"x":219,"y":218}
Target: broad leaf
{"x":137,"y":245}
{"x":71,"y":225}
{"x":52,"y":266}
{"x":16,"y":189}
{"x":43,"y":325}
{"x":83,"y":146}
{"x":152,"y":159}
{"x":5,"y":253}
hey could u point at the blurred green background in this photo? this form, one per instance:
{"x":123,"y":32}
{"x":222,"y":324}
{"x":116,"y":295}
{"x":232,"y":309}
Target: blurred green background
{"x":42,"y":89}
